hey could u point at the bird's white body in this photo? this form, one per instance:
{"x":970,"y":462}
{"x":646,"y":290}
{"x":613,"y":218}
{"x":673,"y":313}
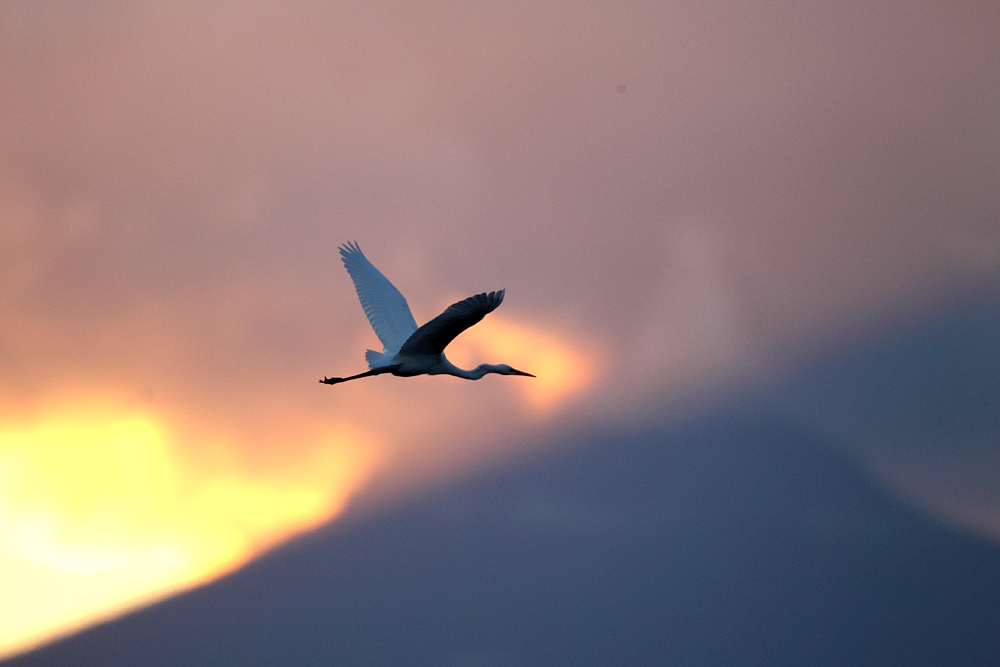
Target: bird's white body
{"x":407,"y":349}
{"x":428,"y":364}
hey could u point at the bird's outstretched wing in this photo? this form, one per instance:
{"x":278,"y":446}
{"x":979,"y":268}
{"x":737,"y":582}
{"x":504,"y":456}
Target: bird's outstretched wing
{"x":387,"y":310}
{"x":434,"y":336}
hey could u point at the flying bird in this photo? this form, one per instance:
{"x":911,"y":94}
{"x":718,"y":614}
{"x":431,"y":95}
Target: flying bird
{"x":406,"y":349}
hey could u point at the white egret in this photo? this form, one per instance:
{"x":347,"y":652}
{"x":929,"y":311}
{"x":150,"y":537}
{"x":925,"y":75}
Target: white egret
{"x":406,"y":349}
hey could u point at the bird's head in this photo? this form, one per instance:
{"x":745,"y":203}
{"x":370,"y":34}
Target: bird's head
{"x":502,"y":369}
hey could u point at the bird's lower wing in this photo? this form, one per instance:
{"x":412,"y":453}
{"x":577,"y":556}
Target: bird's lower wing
{"x":387,"y":310}
{"x":434,"y":336}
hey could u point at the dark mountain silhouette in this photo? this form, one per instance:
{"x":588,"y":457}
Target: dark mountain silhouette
{"x":739,"y":537}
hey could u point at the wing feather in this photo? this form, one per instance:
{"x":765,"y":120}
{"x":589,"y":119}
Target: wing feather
{"x":434,"y":336}
{"x":387,"y":310}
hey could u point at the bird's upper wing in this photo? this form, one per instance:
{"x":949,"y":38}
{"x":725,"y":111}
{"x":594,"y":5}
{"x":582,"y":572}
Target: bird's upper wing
{"x":385,"y":307}
{"x":434,"y":336}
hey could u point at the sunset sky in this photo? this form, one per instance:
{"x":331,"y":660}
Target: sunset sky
{"x":675,"y":196}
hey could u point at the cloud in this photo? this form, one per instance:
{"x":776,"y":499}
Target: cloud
{"x":100,"y":509}
{"x":175,"y":179}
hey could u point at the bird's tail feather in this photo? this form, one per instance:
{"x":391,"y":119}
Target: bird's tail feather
{"x":375,"y":359}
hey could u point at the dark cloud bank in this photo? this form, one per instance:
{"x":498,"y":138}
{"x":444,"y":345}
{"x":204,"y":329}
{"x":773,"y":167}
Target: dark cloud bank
{"x":740,"y":536}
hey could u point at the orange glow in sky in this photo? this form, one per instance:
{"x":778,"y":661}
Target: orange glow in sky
{"x":101,"y":511}
{"x":563,"y":368}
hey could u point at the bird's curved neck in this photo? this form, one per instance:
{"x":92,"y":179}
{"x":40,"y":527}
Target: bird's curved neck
{"x":474,"y":374}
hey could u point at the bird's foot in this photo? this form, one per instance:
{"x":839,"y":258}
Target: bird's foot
{"x":327,"y":380}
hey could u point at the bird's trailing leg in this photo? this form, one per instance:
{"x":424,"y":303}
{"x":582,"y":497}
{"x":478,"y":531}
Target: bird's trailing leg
{"x":374,"y":371}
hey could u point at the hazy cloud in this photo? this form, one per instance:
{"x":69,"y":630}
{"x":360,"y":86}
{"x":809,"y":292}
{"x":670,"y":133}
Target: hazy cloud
{"x":671,"y":194}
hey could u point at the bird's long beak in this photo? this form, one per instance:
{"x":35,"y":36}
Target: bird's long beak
{"x":514,"y":371}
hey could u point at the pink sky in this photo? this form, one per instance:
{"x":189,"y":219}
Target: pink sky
{"x":671,"y":193}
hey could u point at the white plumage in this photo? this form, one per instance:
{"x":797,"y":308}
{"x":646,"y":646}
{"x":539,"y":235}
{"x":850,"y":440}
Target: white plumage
{"x":409,"y":350}
{"x":386,"y":308}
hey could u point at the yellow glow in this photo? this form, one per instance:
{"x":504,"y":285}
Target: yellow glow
{"x":101,"y":512}
{"x":562,"y":368}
